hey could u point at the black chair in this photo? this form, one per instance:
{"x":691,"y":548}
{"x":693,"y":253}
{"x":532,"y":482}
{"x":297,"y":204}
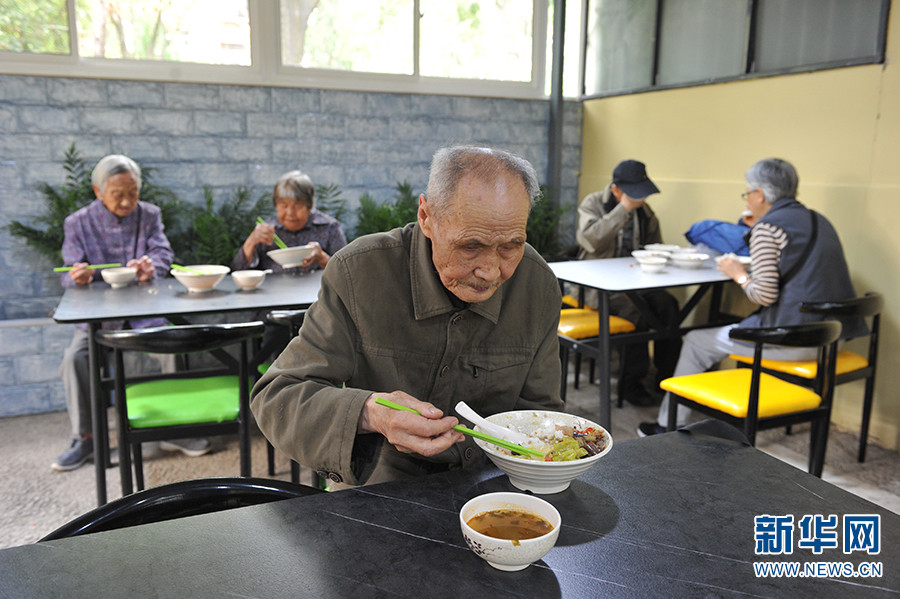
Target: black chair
{"x":196,"y":403}
{"x":292,"y":319}
{"x":754,"y":400}
{"x":179,"y":500}
{"x":850,"y":366}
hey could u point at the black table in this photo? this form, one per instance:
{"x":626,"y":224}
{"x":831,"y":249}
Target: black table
{"x":624,"y":275}
{"x":98,"y":302}
{"x":666,"y":516}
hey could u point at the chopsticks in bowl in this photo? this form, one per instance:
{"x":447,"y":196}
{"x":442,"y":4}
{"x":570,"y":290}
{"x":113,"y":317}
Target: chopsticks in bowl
{"x":278,"y":241}
{"x":468,"y":431}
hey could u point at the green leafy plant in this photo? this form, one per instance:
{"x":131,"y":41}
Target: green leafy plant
{"x":46,"y":233}
{"x":543,"y":225}
{"x":373,"y":217}
{"x":217,"y":233}
{"x":329,"y":201}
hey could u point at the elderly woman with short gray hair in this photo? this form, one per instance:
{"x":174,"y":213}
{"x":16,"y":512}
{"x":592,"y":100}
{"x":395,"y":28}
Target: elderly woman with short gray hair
{"x":115,"y":227}
{"x":795,"y":256}
{"x":297,"y":223}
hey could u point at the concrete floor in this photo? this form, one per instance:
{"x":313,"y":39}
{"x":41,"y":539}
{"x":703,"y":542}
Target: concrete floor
{"x":35,"y":500}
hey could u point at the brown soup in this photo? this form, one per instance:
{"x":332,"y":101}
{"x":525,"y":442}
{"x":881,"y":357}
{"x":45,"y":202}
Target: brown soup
{"x":515,"y":525}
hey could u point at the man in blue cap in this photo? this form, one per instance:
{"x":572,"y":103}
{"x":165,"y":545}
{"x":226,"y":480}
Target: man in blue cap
{"x":611,"y":224}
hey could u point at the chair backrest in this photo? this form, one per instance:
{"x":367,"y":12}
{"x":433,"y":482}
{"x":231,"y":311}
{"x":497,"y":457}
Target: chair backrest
{"x":870,"y":304}
{"x":288,"y":318}
{"x":180,"y":339}
{"x":178,"y":500}
{"x":813,"y":334}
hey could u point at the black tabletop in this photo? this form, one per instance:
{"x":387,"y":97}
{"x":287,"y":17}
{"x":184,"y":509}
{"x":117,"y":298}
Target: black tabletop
{"x":666,"y":516}
{"x":164,"y":297}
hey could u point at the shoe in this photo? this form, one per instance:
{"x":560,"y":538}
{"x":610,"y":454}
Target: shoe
{"x":647,"y":429}
{"x":190,"y":447}
{"x":81,"y":451}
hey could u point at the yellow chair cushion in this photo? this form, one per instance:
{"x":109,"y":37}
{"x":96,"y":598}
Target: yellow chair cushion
{"x":729,"y":390}
{"x":182,"y":401}
{"x":581,"y":323}
{"x":847,"y":361}
{"x":568,"y":300}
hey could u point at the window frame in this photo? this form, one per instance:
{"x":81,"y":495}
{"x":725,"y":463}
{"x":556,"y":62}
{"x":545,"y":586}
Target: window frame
{"x":750,"y":71}
{"x":267,"y":70}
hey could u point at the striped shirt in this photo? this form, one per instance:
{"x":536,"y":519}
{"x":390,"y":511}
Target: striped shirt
{"x":767,"y":241}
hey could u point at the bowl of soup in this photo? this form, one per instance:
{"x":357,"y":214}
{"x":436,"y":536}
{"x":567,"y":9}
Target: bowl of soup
{"x":509,"y":531}
{"x":200,"y":278}
{"x":572,"y":445}
{"x":118,"y":277}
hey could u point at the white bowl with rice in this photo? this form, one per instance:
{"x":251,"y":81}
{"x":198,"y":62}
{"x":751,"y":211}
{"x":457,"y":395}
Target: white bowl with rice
{"x":545,"y":429}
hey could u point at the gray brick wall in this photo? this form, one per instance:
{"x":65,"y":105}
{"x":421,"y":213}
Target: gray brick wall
{"x":223,"y":136}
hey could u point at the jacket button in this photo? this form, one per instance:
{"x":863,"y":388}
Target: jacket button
{"x":322,"y":473}
{"x":468,"y":453}
{"x":444,"y":370}
{"x":334,"y":476}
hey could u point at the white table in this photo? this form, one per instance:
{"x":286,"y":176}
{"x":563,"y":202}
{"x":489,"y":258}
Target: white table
{"x":97,"y":303}
{"x":624,"y":275}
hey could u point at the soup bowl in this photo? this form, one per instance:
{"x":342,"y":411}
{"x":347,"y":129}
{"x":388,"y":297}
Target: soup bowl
{"x":248,"y":279}
{"x":507,"y":554}
{"x":690,"y":260}
{"x":204,"y":278}
{"x":118,"y":277}
{"x":536,"y":475}
{"x":291,"y":257}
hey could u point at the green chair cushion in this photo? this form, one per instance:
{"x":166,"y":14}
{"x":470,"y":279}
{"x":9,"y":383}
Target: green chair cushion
{"x":262,"y":368}
{"x":183,"y":401}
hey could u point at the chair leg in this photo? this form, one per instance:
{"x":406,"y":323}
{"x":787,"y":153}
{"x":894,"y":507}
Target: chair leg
{"x":866,"y":416}
{"x":577,"y":368}
{"x":270,"y":451}
{"x":818,"y":445}
{"x":295,"y":472}
{"x":673,"y":412}
{"x":138,"y":465}
{"x":564,"y":362}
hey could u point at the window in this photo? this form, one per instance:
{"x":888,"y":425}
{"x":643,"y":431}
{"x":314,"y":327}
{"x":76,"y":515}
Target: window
{"x":636,"y":45}
{"x":466,"y":47}
{"x":40,"y":26}
{"x":201,"y":31}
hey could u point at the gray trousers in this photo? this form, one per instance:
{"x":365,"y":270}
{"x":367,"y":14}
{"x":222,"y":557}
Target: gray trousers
{"x":76,"y":377}
{"x":704,"y":348}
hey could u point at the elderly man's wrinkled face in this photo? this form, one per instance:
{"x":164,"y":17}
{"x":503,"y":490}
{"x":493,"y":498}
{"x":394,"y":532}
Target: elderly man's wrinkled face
{"x":479,"y":241}
{"x":120,"y":195}
{"x":292,"y":213}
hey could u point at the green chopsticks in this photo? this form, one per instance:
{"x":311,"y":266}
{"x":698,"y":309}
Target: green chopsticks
{"x":186,"y":269}
{"x":467,"y":431}
{"x":91,"y":266}
{"x":278,"y":241}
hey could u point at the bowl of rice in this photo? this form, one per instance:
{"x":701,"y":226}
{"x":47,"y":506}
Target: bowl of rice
{"x":572,"y":445}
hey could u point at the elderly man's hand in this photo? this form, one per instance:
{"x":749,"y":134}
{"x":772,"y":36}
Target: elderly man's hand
{"x":428,"y":434}
{"x":732,"y":267}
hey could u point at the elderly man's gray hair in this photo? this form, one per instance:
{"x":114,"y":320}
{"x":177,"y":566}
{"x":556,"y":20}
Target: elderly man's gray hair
{"x":776,"y":178}
{"x":450,"y":165}
{"x":112,"y":165}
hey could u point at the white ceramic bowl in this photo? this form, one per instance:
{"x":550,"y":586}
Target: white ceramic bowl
{"x":291,"y":257}
{"x":248,"y":279}
{"x":692,"y":261}
{"x":652,"y":264}
{"x":745,"y":260}
{"x":505,"y":554}
{"x":662,"y":247}
{"x":211,"y":275}
{"x":641,"y":255}
{"x":533,"y":474}
{"x":691,"y":249}
{"x":118,"y":277}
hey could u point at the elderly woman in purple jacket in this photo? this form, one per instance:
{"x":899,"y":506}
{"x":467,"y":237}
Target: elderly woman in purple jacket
{"x":115,"y":227}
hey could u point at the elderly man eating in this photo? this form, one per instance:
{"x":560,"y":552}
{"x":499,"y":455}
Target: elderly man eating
{"x":455,"y":306}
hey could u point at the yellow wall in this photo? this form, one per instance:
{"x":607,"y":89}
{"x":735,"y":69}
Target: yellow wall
{"x":840,"y":128}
